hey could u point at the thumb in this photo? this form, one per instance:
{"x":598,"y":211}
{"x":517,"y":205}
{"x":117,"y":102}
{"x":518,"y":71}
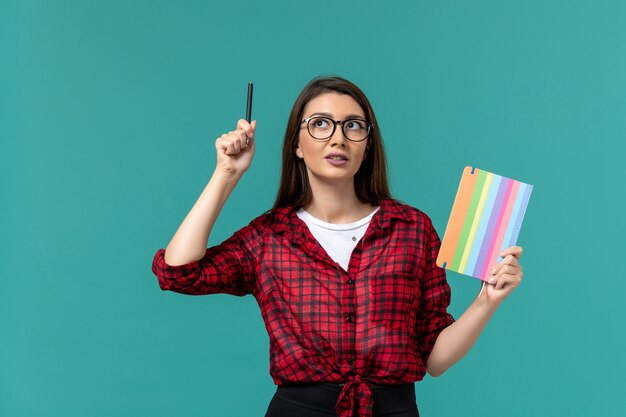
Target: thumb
{"x":251,"y":130}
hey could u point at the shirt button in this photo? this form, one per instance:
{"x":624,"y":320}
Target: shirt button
{"x":350,"y":281}
{"x":350,"y":362}
{"x":349,"y":317}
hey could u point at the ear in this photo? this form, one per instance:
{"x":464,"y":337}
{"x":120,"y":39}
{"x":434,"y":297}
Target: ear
{"x":299,"y":152}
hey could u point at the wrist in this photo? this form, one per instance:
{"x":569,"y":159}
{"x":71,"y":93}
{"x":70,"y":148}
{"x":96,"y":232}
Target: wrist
{"x":226,"y":178}
{"x":485,"y":303}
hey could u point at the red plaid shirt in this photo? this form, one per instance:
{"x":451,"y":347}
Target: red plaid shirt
{"x":376,"y":323}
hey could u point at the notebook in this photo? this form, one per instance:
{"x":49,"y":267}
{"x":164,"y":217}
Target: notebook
{"x":485,"y":219}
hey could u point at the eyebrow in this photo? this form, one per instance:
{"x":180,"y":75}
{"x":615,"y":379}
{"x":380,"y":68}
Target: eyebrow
{"x":330,"y":116}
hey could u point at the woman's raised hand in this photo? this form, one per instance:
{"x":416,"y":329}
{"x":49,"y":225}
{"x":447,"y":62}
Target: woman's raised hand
{"x":234,"y":155}
{"x":235,"y":149}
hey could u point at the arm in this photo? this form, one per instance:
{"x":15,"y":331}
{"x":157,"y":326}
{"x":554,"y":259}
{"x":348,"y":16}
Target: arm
{"x":458,"y":338}
{"x":233,"y":159}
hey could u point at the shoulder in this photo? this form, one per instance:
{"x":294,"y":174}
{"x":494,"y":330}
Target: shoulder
{"x":275,"y":219}
{"x":398,"y":209}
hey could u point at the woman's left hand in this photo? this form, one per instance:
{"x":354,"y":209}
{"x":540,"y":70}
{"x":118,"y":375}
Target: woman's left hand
{"x":505,"y":276}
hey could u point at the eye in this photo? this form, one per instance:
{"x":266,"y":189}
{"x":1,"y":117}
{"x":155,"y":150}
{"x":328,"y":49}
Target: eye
{"x":320,"y":123}
{"x":355,"y":124}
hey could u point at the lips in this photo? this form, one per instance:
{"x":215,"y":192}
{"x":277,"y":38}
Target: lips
{"x":336,"y":157}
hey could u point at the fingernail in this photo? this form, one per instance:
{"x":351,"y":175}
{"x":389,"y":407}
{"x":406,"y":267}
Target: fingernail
{"x":492,"y":280}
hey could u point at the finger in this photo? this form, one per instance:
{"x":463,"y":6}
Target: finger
{"x":250,"y":138}
{"x":238,"y":137}
{"x":248,"y":128}
{"x":235,"y":145}
{"x":510,"y":260}
{"x":229,"y":143}
{"x":508,"y":281}
{"x":505,"y":269}
{"x":242,"y":137}
{"x":510,"y":270}
{"x":514,"y":273}
{"x":222,"y":142}
{"x":253,"y":125}
{"x":516,"y":251}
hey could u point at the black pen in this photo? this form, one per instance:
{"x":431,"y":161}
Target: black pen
{"x":249,"y":103}
{"x":249,"y":107}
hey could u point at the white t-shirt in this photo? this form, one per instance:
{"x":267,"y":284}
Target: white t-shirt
{"x":338,"y":240}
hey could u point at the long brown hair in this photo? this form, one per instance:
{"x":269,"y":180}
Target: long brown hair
{"x":370,"y":182}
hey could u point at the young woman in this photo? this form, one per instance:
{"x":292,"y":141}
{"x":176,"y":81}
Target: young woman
{"x":344,"y":275}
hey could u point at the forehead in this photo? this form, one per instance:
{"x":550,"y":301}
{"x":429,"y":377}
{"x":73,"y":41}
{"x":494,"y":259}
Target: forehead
{"x":339,"y":105}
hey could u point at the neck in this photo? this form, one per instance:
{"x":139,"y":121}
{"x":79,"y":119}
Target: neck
{"x":336,"y":202}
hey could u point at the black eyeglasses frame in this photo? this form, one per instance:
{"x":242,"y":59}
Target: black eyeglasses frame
{"x":335,"y":123}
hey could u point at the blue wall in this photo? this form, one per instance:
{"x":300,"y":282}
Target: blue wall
{"x":108,"y":115}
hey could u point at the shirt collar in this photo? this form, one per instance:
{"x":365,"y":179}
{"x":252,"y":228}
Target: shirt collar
{"x":284,"y":220}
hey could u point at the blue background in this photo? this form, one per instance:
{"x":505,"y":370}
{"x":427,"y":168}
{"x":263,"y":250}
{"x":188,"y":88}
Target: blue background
{"x":108,"y":116}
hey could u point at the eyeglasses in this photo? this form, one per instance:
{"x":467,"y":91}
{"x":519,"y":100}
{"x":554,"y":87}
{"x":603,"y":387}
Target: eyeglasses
{"x":322,"y":128}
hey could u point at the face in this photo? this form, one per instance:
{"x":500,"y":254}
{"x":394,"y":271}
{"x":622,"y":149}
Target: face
{"x":336,"y":159}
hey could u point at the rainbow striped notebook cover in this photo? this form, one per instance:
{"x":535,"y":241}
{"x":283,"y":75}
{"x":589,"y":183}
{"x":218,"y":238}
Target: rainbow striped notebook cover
{"x":486,"y":218}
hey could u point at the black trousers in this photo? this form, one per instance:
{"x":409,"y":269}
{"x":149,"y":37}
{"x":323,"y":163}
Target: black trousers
{"x":319,"y":399}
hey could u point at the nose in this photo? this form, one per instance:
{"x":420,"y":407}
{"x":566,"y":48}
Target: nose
{"x":338,"y":137}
